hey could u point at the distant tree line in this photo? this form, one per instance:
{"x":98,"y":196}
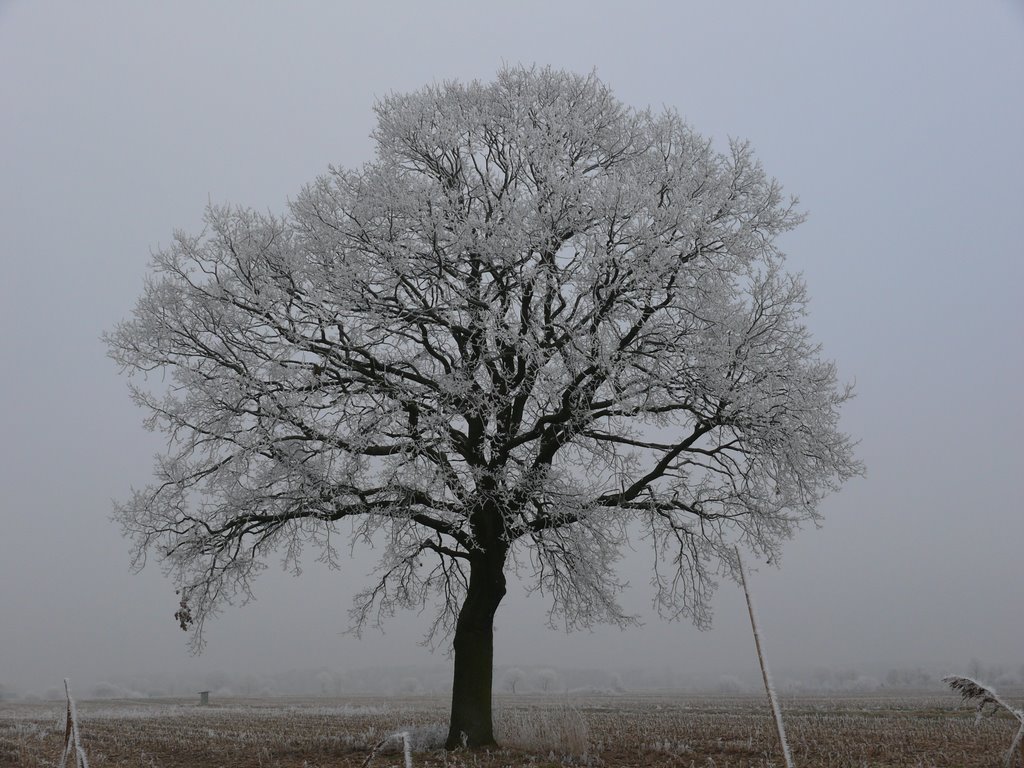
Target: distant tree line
{"x":403,"y":680}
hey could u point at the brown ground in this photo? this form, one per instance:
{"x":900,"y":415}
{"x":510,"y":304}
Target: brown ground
{"x":542,"y":731}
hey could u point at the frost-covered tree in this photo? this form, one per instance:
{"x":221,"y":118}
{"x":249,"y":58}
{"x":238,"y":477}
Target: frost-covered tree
{"x":547,"y":680}
{"x":512,"y":678}
{"x":537,"y":322}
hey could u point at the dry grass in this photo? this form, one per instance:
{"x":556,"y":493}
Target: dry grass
{"x":629,"y":730}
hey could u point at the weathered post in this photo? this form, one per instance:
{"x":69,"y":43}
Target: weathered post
{"x":765,"y":674}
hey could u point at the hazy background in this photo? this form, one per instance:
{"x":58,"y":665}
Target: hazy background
{"x":900,"y":126}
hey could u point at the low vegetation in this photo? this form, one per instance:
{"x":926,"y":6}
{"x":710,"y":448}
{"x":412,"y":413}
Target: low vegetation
{"x":534,"y":730}
{"x":980,"y":695}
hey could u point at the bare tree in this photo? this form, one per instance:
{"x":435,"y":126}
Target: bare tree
{"x":536,"y":322}
{"x":547,"y":679}
{"x":511,"y":678}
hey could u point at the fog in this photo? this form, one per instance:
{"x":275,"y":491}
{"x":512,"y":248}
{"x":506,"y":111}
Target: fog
{"x":899,"y":126}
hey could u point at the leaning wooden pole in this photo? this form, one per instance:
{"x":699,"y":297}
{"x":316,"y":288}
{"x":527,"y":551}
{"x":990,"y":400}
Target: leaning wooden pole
{"x":765,"y":674}
{"x":72,"y":738}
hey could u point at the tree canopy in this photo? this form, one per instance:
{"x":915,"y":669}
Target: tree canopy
{"x":536,"y":323}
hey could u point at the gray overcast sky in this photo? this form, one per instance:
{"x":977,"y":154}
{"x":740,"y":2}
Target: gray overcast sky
{"x":899,"y":124}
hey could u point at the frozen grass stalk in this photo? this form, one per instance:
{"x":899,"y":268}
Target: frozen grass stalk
{"x":765,"y":673}
{"x":971,"y":690}
{"x":406,"y":748}
{"x":406,"y":738}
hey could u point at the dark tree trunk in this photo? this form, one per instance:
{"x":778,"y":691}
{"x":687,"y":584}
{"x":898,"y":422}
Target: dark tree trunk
{"x":471,"y":723}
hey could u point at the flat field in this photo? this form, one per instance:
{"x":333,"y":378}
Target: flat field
{"x":542,"y":731}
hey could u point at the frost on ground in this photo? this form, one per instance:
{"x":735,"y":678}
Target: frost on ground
{"x":536,"y":730}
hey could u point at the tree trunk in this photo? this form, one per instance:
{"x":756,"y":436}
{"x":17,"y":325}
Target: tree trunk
{"x":471,"y":724}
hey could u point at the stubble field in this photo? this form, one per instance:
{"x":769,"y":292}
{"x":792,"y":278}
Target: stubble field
{"x":542,"y":731}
